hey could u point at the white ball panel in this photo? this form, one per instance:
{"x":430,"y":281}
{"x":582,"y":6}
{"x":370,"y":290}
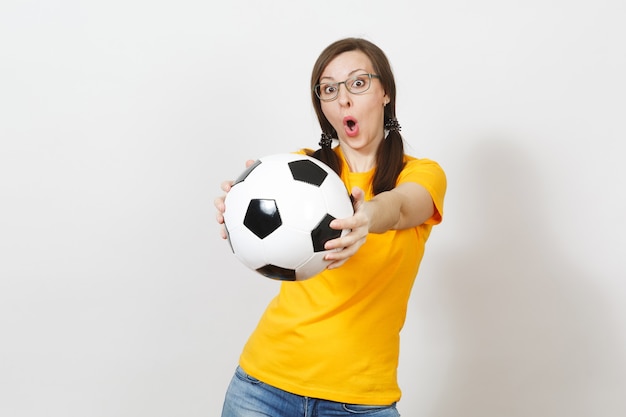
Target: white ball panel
{"x":301,"y":206}
{"x":336,"y":198}
{"x":313,"y":266}
{"x":248,"y":248}
{"x":287,"y":247}
{"x":236,"y":205}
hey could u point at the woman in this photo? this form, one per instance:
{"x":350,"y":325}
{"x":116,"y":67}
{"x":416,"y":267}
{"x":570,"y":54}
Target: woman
{"x":329,"y":346}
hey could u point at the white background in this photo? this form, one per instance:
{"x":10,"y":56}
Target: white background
{"x":119,"y":119}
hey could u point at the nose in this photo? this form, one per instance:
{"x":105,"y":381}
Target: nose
{"x":343,"y":96}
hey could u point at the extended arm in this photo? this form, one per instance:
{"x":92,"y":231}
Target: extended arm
{"x":408,"y":205}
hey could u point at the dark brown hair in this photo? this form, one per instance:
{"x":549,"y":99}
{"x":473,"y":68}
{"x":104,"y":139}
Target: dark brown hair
{"x":390,"y":154}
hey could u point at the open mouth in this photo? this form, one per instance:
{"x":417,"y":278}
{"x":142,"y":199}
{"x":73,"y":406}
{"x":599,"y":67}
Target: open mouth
{"x":351,"y":126}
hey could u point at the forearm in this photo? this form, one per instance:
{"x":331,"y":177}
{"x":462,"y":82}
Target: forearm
{"x":406,"y":206}
{"x":383,"y":212}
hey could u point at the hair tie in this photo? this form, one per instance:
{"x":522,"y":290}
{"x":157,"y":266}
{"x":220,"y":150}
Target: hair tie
{"x":392,"y":125}
{"x":326,"y":141}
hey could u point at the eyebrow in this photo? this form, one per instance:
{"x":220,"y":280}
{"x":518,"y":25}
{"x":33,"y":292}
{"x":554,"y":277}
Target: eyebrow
{"x":350,"y":74}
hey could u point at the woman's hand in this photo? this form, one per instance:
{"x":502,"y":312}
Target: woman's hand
{"x":221,"y":207}
{"x":406,"y":206}
{"x":219,"y":202}
{"x":344,"y":247}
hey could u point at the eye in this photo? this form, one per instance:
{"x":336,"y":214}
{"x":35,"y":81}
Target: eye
{"x":328,"y":89}
{"x":359,"y":83}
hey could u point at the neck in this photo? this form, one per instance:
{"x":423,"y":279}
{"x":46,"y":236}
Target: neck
{"x":358,"y":161}
{"x":361,"y":158}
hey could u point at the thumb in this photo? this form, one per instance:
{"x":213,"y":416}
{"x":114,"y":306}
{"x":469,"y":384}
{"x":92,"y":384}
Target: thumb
{"x":357,"y":196}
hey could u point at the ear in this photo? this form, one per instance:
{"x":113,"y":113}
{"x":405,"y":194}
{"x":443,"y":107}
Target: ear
{"x":386,"y":99}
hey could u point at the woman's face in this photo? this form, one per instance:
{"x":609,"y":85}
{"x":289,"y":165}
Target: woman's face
{"x":357,"y":118}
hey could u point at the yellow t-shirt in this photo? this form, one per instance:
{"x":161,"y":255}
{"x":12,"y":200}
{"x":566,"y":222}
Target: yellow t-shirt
{"x":336,"y":336}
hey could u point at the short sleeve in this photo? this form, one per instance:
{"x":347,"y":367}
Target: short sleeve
{"x":431,"y":176}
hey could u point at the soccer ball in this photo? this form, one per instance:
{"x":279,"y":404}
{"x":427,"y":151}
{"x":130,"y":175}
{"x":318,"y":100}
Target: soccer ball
{"x":278,"y":213}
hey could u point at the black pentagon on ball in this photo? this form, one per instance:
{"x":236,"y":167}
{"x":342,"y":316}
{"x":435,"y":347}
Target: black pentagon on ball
{"x":307,"y":171}
{"x":262,"y":217}
{"x":276,"y":272}
{"x":322,"y":233}
{"x":247,"y":172}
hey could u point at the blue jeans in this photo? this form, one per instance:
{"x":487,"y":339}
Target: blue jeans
{"x":249,"y":397}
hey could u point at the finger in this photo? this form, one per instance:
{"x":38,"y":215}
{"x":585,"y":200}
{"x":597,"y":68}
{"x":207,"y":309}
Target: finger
{"x":336,"y":224}
{"x":357,"y":196}
{"x":358,"y":193}
{"x":343,"y":242}
{"x":351,"y":224}
{"x":226,"y":186}
{"x":336,"y":264}
{"x":348,"y":223}
{"x":339,"y":257}
{"x":219,"y":203}
{"x":337,"y":243}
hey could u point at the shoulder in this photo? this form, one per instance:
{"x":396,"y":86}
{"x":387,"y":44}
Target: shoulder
{"x":426,"y":173}
{"x":429,"y":175}
{"x":420,"y":167}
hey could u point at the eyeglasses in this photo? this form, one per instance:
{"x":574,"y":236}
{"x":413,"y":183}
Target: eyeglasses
{"x":356,"y":85}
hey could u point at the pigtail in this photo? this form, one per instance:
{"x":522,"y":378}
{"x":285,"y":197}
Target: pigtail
{"x":389,"y":158}
{"x":326,"y":154}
